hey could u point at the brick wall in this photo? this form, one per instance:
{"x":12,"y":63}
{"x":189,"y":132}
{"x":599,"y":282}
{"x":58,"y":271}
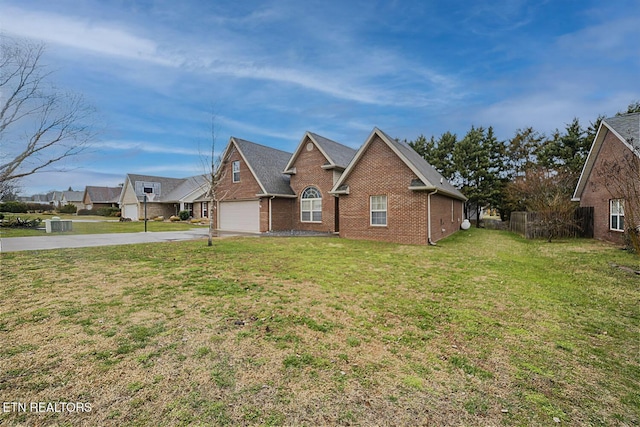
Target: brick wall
{"x":246,"y":189}
{"x":446,"y":216}
{"x":597,"y":195}
{"x":282,"y":214}
{"x":308,"y":165}
{"x":157,"y":209}
{"x":381,"y":172}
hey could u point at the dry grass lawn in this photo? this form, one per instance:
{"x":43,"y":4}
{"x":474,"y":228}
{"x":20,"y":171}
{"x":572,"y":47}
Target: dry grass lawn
{"x":484,"y":329}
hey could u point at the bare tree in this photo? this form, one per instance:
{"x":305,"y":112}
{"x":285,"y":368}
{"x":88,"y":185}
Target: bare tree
{"x":548,"y":194}
{"x":214,"y":175}
{"x":40,"y":125}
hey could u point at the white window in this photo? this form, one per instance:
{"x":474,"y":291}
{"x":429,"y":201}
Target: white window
{"x":205,"y":209}
{"x":378,"y":210}
{"x":311,"y":205}
{"x":189,"y":208}
{"x":235,"y":166}
{"x":616,"y":209}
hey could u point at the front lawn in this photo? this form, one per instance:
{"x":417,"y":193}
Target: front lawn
{"x":484,"y":329}
{"x":93,"y":225}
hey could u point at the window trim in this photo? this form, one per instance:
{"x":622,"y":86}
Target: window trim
{"x":235,"y":171}
{"x":311,"y":202}
{"x":619,"y":203}
{"x":385,"y":210}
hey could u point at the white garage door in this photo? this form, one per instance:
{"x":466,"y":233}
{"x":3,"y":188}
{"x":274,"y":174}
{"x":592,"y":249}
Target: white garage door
{"x":130,"y":211}
{"x":240,"y":216}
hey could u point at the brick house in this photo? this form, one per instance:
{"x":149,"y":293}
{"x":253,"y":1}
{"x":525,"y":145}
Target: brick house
{"x":608,"y":179}
{"x":164,"y":196}
{"x":384,"y":191}
{"x":315,"y":167}
{"x":101,"y":197}
{"x":390,"y":193}
{"x":253,"y":193}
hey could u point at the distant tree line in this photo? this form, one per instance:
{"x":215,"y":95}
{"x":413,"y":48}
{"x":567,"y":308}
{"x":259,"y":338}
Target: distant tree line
{"x":528,"y":172}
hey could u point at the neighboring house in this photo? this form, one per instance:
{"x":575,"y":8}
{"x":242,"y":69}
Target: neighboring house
{"x":253,"y":193}
{"x":164,"y":196}
{"x":72,"y":198}
{"x":390,"y":193}
{"x":101,"y":197}
{"x":605,"y":188}
{"x":55,"y":198}
{"x":384,"y":191}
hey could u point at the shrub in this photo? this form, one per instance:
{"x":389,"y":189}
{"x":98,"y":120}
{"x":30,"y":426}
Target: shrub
{"x":174,"y":218}
{"x":184,"y":215}
{"x":68,"y":209}
{"x":21,"y":223}
{"x":631,"y":239}
{"x":107,"y":211}
{"x":37,"y":207}
{"x":84,"y":212}
{"x":14,"y":207}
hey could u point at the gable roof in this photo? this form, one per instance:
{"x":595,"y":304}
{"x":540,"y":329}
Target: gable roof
{"x":266,"y":165}
{"x":72,"y":196}
{"x":102,"y":194}
{"x":164,"y":192}
{"x":626,"y":128}
{"x":338,"y":155}
{"x":190,"y":189}
{"x":429,"y":178}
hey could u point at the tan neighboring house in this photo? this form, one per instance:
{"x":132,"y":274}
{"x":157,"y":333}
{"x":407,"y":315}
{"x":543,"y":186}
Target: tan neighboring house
{"x":72,"y":198}
{"x":163,"y":196}
{"x":607,"y":180}
{"x":384,"y":191}
{"x":101,"y":197}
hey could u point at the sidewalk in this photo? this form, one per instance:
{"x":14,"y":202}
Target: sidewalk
{"x":58,"y":241}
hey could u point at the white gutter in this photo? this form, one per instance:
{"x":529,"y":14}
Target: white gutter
{"x":429,"y":241}
{"x":270,"y":213}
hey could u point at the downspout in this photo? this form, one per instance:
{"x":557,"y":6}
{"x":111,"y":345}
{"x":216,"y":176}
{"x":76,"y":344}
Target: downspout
{"x":270,"y":214}
{"x":429,"y":241}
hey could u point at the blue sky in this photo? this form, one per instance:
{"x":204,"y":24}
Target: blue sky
{"x":271,"y":70}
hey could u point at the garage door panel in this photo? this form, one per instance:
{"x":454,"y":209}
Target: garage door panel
{"x":240,"y":216}
{"x":130,"y":211}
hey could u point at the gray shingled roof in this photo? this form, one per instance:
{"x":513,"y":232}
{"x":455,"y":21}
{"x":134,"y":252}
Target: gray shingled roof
{"x":267,"y":163}
{"x":340,"y":155}
{"x":103,"y":194}
{"x":428,"y":172}
{"x":73,"y":196}
{"x":167,"y":185}
{"x":628,"y":126}
{"x":193,"y":186}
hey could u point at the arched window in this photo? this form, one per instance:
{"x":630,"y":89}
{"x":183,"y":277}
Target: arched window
{"x":311,"y":205}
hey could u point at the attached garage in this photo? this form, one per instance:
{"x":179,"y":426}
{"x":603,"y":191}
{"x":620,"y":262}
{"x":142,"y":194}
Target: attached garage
{"x":130,"y":211}
{"x":240,"y":216}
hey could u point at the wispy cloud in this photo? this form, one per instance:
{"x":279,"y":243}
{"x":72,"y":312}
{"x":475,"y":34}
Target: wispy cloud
{"x":146,"y":147}
{"x":357,"y":82}
{"x":81,"y":33}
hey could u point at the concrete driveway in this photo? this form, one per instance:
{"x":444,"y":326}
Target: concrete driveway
{"x":58,"y":241}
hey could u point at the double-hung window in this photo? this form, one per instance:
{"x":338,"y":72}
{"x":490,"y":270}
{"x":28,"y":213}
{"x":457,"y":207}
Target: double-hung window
{"x":235,"y":166}
{"x":616,"y":214}
{"x":311,"y":205}
{"x":378,"y":206}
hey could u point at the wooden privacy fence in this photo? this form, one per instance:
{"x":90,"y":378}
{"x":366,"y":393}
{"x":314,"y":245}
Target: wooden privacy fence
{"x":527,"y":225}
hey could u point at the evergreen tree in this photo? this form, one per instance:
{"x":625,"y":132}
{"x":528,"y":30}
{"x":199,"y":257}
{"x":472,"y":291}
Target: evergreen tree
{"x":477,"y":171}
